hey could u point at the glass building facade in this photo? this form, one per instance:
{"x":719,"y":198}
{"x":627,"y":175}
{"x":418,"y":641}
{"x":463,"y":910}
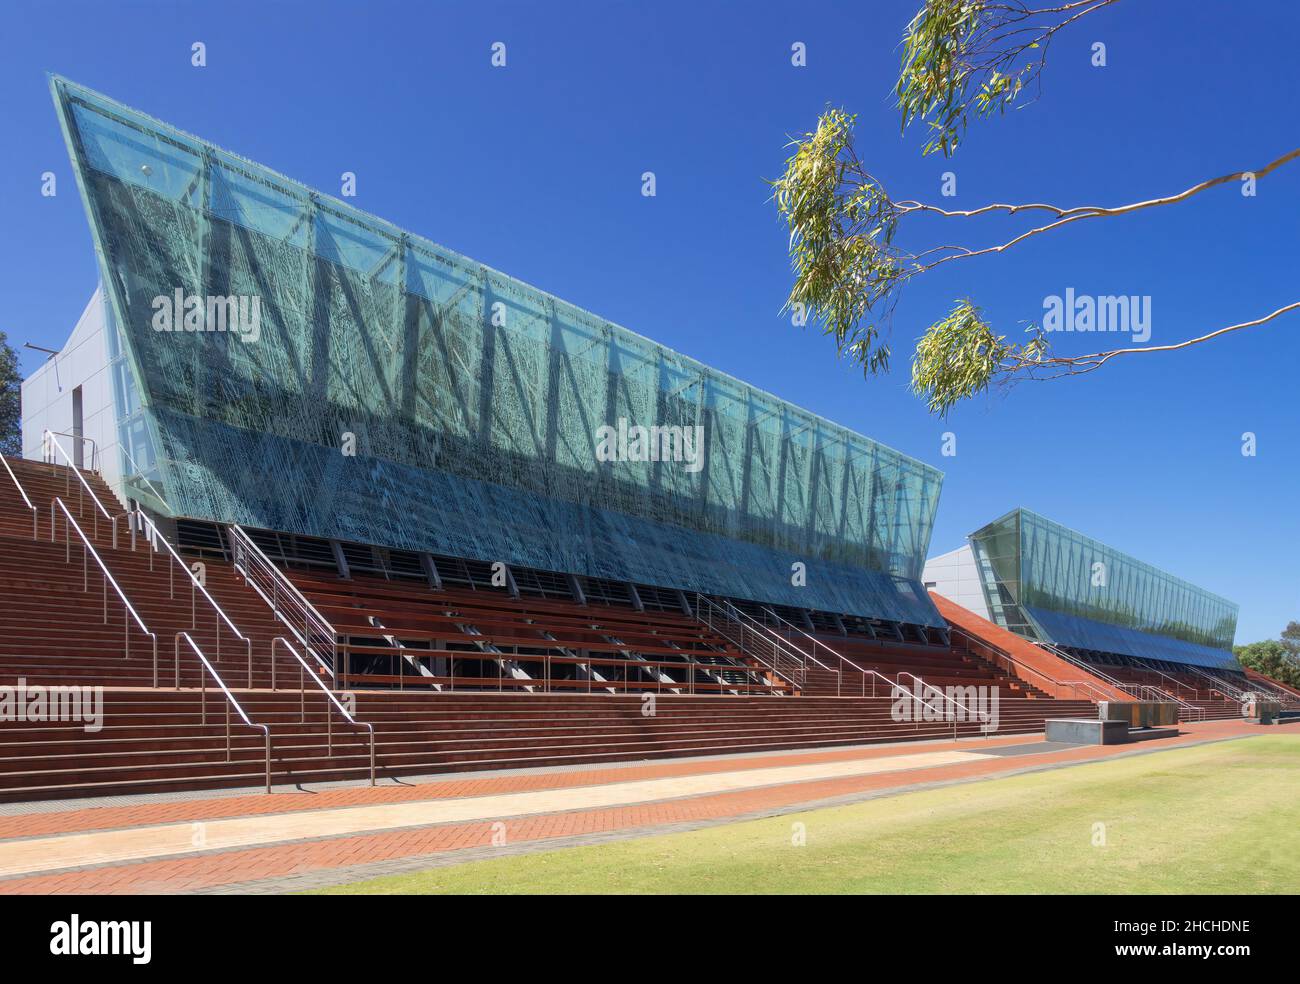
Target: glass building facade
{"x":396,"y":393}
{"x":1048,"y":582}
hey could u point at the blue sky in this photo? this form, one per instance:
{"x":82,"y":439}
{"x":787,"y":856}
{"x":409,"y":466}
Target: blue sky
{"x":535,"y":170}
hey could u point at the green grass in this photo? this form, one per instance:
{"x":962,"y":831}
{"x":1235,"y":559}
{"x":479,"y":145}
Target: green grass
{"x":1212,"y":818}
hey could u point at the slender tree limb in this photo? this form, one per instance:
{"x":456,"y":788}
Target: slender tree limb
{"x":1098,"y":359}
{"x":1101,"y":210}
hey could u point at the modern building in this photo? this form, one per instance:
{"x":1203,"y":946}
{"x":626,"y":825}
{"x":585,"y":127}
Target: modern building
{"x":1050,"y":583}
{"x":263,"y":354}
{"x":388,"y":470}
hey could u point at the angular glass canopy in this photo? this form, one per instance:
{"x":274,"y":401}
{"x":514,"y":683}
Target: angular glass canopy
{"x":473,"y":402}
{"x":1046,"y":581}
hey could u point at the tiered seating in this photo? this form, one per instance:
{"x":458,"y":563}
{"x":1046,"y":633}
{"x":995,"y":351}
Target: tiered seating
{"x":52,"y":630}
{"x":1190,"y":688}
{"x":938,"y":666}
{"x":53,"y":633}
{"x":459,"y":638}
{"x":1287,"y":694}
{"x":444,"y":707}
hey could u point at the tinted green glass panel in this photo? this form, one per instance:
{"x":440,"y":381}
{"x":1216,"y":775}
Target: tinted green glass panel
{"x":1044,"y":580}
{"x":475,"y":400}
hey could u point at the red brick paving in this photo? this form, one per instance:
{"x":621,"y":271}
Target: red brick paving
{"x":280,"y":860}
{"x":181,"y":811}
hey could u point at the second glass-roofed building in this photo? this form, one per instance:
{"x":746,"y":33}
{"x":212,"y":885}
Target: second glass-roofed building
{"x":373,"y":387}
{"x":1050,"y":583}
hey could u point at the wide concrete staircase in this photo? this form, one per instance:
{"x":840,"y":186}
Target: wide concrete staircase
{"x":866,"y":660}
{"x":62,"y":625}
{"x":1218,"y":697}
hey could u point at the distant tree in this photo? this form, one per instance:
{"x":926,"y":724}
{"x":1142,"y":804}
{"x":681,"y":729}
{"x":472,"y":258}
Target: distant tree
{"x":1272,"y":658}
{"x":962,"y":59}
{"x":1291,"y":640}
{"x":11,"y":415}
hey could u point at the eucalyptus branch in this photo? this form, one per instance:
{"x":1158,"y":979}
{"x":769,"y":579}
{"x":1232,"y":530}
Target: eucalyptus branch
{"x":1096,"y":360}
{"x":849,"y":267}
{"x":961,"y":356}
{"x":1091,"y":211}
{"x":843,"y":225}
{"x":974,"y":57}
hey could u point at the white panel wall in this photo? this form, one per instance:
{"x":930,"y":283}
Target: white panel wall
{"x":955,"y":576}
{"x":47,"y":394}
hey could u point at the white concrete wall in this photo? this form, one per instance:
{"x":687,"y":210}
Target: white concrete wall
{"x":955,"y":576}
{"x":47,"y":395}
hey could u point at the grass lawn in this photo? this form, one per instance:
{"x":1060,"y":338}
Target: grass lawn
{"x":1214,"y":818}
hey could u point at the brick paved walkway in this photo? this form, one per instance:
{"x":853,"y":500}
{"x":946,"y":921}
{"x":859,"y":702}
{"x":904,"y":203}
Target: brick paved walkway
{"x":205,"y":844}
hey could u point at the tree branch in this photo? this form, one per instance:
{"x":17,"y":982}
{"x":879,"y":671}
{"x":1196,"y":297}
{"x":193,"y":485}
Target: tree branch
{"x":1096,"y":360}
{"x":1090,"y":211}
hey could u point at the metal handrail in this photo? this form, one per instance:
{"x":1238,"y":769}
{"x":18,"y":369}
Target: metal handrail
{"x":88,"y":551}
{"x":155,"y":536}
{"x":1225,"y":688}
{"x":811,"y":638}
{"x":1273,"y":691}
{"x":36,"y":513}
{"x":775,"y":642}
{"x":248,"y":559}
{"x":307,"y":671}
{"x":1116,"y":683}
{"x":51,"y":441}
{"x":1146,"y":691}
{"x":1074,"y":660}
{"x":94,"y":446}
{"x":230,"y":699}
{"x":1176,"y":683}
{"x":770,"y":661}
{"x":840,"y":657}
{"x":1091,"y":691}
{"x":1098,"y":693}
{"x":950,"y":700}
{"x":1261,"y":686}
{"x":874,"y":674}
{"x":745,"y":618}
